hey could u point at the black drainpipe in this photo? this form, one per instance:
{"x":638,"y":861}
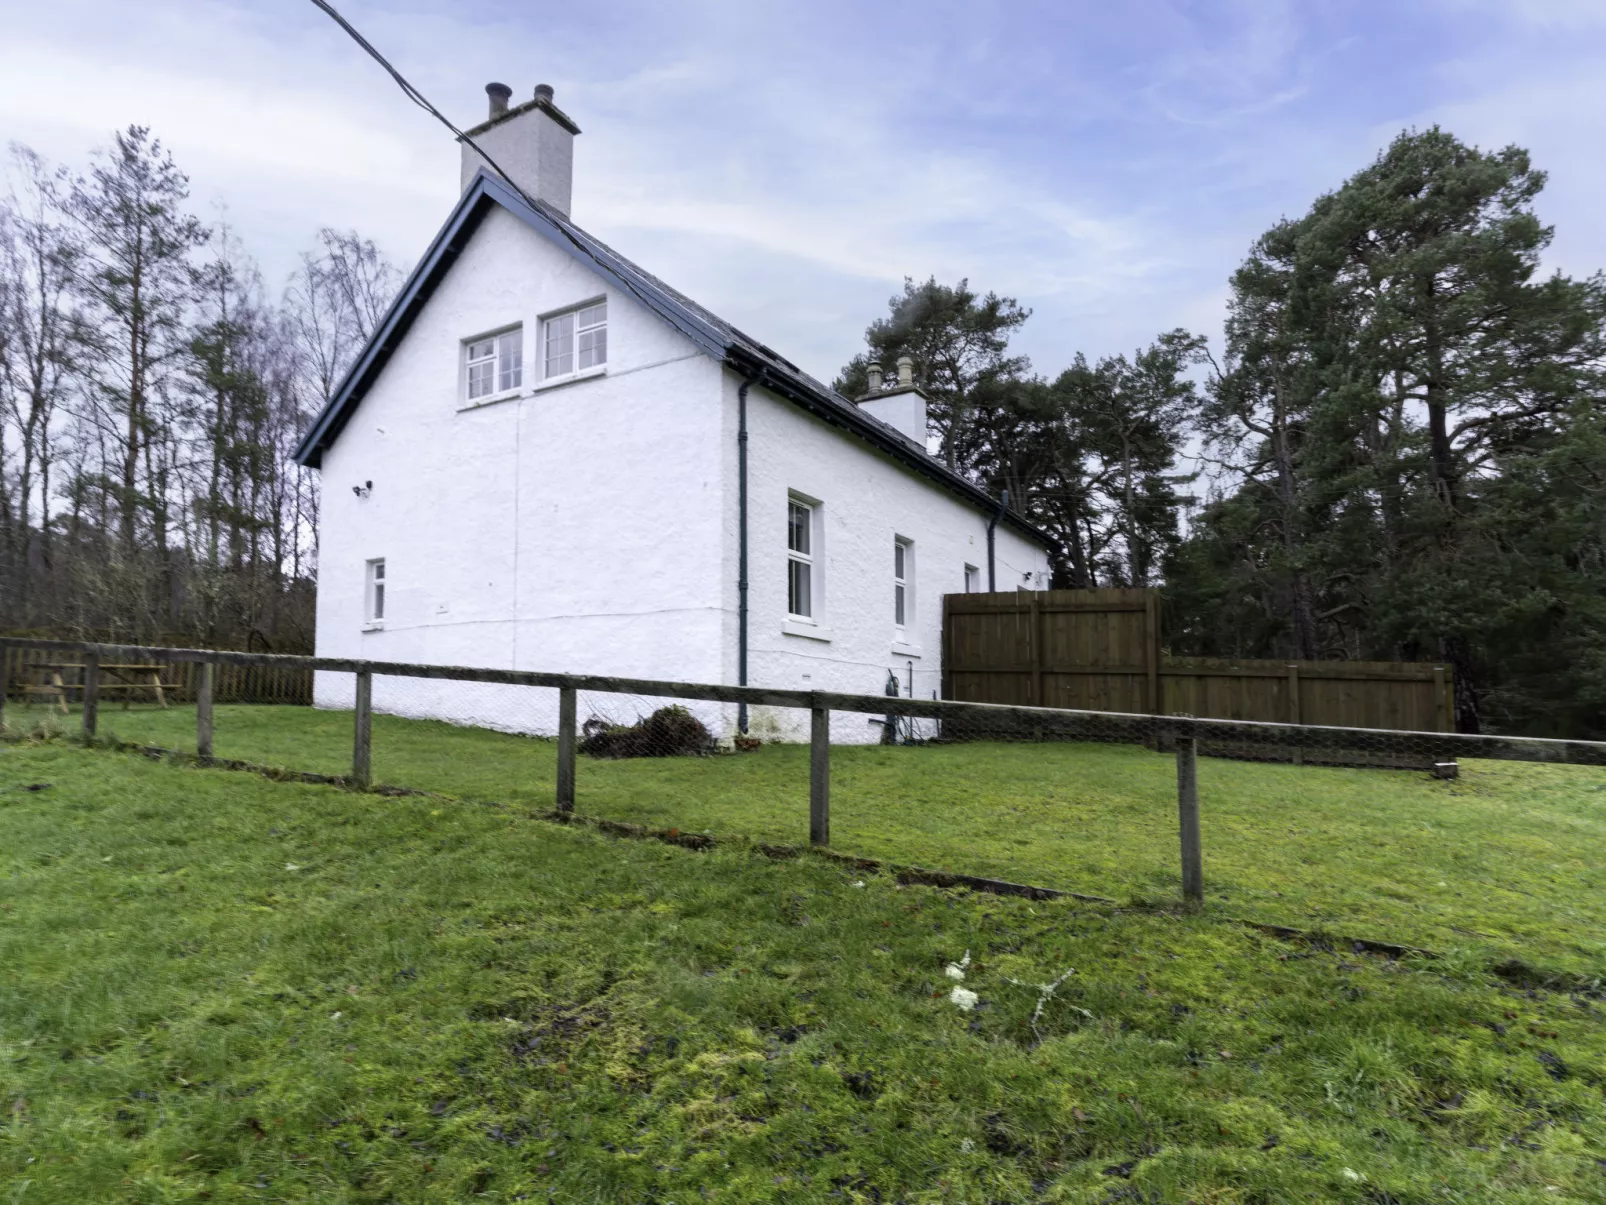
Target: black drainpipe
{"x":741,"y":558}
{"x":1003,"y":505}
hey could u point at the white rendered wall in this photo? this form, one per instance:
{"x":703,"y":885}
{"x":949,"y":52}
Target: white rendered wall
{"x":591,"y":526}
{"x":867,"y":501}
{"x":570,"y":528}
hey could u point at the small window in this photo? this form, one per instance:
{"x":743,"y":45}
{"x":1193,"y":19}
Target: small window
{"x":576,"y":341}
{"x":902,"y":564}
{"x":376,"y":590}
{"x":495,"y":363}
{"x":972,"y":580}
{"x":800,"y":559}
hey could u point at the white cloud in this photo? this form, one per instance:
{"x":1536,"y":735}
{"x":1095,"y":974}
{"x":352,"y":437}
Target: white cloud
{"x":1107,"y":165}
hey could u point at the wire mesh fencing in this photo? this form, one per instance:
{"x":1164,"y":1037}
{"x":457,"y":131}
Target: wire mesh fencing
{"x":1325,"y":827}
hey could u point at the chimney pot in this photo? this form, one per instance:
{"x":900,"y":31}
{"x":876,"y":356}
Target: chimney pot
{"x":532,"y":143}
{"x":875,"y":377}
{"x":500,"y":94}
{"x":906,"y":370}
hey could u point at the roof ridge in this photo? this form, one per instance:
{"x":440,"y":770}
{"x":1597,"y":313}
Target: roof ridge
{"x":717,"y":337}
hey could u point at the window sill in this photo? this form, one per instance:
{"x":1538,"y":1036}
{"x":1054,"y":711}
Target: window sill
{"x":900,"y":649}
{"x":495,"y":399}
{"x":374,"y":625}
{"x":805,"y":629}
{"x":513,"y":395}
{"x":585,"y":374}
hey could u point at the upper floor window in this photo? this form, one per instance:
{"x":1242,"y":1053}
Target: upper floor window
{"x":972,"y":580}
{"x":495,"y":363}
{"x":376,"y":590}
{"x":577,"y":340}
{"x":799,"y":559}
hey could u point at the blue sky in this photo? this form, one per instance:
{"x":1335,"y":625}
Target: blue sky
{"x":787,"y":164}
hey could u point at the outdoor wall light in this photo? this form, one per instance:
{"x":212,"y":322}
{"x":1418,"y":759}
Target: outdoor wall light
{"x":363,"y":490}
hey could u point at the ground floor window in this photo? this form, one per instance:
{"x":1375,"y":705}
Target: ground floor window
{"x":799,"y":559}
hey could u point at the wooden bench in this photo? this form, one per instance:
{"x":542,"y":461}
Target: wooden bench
{"x":126,"y":680}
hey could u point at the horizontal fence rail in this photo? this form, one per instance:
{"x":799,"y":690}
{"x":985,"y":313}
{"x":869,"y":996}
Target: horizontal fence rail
{"x":1187,"y":736}
{"x":1050,"y":722}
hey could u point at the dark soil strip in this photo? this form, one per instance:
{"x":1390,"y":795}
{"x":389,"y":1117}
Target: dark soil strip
{"x":1512,"y":971}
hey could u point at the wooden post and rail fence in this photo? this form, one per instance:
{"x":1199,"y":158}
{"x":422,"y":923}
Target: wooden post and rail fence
{"x":1184,"y":733}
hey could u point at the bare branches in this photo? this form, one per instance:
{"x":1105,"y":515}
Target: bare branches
{"x":150,"y":398}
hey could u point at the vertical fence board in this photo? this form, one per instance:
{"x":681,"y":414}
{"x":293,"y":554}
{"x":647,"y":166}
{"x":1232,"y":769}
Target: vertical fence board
{"x":1100,"y":650}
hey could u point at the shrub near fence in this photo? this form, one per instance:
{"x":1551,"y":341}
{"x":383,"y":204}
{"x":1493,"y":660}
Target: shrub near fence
{"x":945,"y":720}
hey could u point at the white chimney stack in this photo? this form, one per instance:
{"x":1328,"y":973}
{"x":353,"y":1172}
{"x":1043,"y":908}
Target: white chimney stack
{"x":899,"y":404}
{"x":532,"y":142}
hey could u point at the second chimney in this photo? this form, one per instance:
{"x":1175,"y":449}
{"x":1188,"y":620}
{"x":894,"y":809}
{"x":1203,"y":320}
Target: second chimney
{"x":532,"y":142}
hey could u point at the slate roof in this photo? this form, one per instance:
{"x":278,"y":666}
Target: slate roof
{"x":710,"y":333}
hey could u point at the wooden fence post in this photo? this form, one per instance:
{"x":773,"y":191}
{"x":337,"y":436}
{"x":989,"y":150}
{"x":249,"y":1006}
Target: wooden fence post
{"x":1188,"y":820}
{"x":91,"y":693}
{"x":820,"y":776}
{"x":5,"y":679}
{"x":362,"y":743}
{"x":566,"y":720}
{"x":1293,"y":708}
{"x":204,"y":673}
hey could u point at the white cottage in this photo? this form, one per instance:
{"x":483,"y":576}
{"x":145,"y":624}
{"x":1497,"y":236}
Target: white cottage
{"x":548,"y":459}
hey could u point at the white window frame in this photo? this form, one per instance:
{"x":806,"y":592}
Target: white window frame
{"x":588,"y":323}
{"x":903,"y":587}
{"x":972,"y":579}
{"x":374,"y":582}
{"x":807,"y":559}
{"x":504,"y":360}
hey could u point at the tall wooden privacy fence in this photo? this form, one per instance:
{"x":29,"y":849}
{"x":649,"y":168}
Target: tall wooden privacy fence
{"x":24,"y":667}
{"x":1184,"y":734}
{"x":1101,"y":649}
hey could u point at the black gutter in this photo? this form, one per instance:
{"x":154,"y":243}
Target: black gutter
{"x":992,"y":524}
{"x":741,"y":558}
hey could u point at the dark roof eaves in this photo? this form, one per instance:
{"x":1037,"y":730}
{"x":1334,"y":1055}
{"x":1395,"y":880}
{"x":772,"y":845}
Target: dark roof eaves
{"x":332,"y":418}
{"x":833,"y":407}
{"x":710,"y":333}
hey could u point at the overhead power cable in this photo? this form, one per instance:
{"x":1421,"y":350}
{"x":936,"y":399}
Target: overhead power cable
{"x":422,"y":101}
{"x":414,"y":95}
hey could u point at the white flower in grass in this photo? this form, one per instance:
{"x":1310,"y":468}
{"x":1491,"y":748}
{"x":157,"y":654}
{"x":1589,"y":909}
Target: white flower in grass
{"x":1350,"y":1173}
{"x":956,"y":970}
{"x":291,"y":866}
{"x":964,"y":998}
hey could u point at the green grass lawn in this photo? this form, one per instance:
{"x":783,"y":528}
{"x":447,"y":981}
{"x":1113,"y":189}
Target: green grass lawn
{"x":1510,"y":860}
{"x":221,"y":988}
